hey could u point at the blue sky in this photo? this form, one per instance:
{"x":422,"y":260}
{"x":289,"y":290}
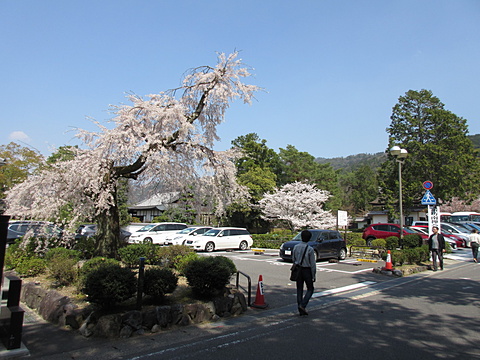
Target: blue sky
{"x":332,"y":70}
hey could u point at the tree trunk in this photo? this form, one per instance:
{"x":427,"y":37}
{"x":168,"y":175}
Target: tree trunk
{"x":108,"y":231}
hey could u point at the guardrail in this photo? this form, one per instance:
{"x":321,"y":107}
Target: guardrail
{"x":366,"y":250}
{"x":249,"y":286}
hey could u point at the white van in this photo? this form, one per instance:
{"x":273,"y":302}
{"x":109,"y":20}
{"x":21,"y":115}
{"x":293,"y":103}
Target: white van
{"x":155,"y":233}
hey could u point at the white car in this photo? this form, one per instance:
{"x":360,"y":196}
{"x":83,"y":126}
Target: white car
{"x":155,"y":233}
{"x":189,"y":233}
{"x":222,"y":238}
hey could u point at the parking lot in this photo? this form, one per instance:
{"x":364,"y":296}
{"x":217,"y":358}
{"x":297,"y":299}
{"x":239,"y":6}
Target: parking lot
{"x":332,"y":277}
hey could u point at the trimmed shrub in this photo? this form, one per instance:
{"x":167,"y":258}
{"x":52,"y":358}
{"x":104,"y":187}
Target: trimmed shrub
{"x":158,"y":282}
{"x":208,"y":275}
{"x":183,"y":262}
{"x":354,"y":238}
{"x":62,"y":265}
{"x":357,"y":242}
{"x":381,"y":243}
{"x":130,"y":255}
{"x":14,"y":255}
{"x":31,"y":266}
{"x":86,"y":246}
{"x":411,"y":241}
{"x":392,"y":242}
{"x":97,"y":263}
{"x":169,"y":256}
{"x":272,"y":240}
{"x":110,"y":285}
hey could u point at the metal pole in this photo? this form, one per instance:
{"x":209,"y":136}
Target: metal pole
{"x":400,"y":199}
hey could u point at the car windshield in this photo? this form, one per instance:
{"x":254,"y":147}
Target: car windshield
{"x":475,"y":226}
{"x":186,"y":231}
{"x":147,"y":227}
{"x":212,"y":232}
{"x":408,"y":230}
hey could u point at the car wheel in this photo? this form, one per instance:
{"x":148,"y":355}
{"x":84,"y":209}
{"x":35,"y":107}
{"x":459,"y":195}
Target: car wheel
{"x":210,"y":247}
{"x":243,"y":245}
{"x":317,"y":257}
{"x":147,"y":240}
{"x":342,"y":254}
{"x":369,"y":241}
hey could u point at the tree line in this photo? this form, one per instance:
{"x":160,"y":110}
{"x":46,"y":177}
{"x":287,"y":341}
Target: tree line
{"x":165,"y":142}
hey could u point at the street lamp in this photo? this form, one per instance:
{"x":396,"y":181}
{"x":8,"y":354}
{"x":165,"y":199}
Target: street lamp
{"x":399,"y":155}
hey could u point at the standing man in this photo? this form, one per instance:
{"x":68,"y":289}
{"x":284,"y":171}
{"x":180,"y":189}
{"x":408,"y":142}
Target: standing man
{"x":304,"y":255}
{"x":474,"y":243}
{"x":436,"y":245}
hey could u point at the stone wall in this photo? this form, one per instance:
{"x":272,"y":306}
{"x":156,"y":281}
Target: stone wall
{"x":59,"y":309}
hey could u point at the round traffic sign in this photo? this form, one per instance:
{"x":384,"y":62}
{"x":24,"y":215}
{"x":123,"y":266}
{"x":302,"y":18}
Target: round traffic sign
{"x":427,"y":185}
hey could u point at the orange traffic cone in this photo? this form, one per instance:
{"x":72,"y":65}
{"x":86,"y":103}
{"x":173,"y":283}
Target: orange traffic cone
{"x":388,"y":262}
{"x":260,"y":298}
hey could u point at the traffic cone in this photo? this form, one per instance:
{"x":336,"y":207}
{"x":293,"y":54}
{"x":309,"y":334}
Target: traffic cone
{"x":260,"y":298}
{"x":388,"y":263}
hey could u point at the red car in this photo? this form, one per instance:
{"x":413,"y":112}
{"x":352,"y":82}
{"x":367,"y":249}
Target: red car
{"x":383,"y":231}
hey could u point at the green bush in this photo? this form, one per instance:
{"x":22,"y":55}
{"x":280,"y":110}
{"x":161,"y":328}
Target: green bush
{"x":14,"y":255}
{"x":381,"y":243}
{"x":271,"y":240}
{"x":183,"y":262}
{"x":96,"y":263}
{"x":411,"y":241}
{"x":354,"y":238}
{"x":357,"y":242}
{"x":62,"y":252}
{"x":398,"y":257}
{"x":86,"y":246}
{"x":130,"y":255}
{"x":63,"y":264}
{"x":31,"y":266}
{"x":207,"y":276}
{"x":169,"y":256}
{"x":110,"y":285}
{"x":392,"y":242}
{"x":158,"y":282}
{"x":410,"y":256}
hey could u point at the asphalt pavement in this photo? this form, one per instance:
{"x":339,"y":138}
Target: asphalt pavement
{"x":43,"y":340}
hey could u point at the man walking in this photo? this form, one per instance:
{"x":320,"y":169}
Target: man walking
{"x":436,"y":245}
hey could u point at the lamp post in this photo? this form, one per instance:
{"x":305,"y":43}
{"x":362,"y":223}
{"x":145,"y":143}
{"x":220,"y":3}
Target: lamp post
{"x":399,"y":155}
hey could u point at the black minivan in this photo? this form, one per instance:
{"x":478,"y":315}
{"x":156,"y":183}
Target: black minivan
{"x":327,"y":244}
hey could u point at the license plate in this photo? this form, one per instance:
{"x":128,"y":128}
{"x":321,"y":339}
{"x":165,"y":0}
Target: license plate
{"x":288,"y":252}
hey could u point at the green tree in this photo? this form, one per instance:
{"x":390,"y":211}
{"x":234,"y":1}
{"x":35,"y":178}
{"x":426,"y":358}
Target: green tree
{"x":359,"y":187}
{"x":438,"y":150}
{"x":256,"y":171}
{"x":63,"y":153}
{"x":298,"y":166}
{"x":20,"y":162}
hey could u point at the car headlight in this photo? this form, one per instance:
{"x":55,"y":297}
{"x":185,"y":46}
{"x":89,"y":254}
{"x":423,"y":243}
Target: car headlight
{"x":281,"y":246}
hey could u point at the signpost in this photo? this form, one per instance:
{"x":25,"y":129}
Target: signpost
{"x":433,"y":212}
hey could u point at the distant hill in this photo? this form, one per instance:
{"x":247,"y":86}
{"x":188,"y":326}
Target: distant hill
{"x":475,"y":140}
{"x":353,"y":162}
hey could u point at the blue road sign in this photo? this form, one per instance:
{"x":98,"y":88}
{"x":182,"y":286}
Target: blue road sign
{"x":428,"y":199}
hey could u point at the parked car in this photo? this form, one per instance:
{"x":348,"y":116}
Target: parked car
{"x":88,"y":230}
{"x":423,"y":230}
{"x":452,"y":228}
{"x":327,"y":244}
{"x":29,"y":228}
{"x":454,"y":240}
{"x":221,"y":238}
{"x":383,"y":231}
{"x":189,"y":233}
{"x":155,"y":233}
{"x":13,"y":236}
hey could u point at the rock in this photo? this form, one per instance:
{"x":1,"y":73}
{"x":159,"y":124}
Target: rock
{"x":133,"y":319}
{"x":164,"y":316}
{"x":52,"y":305}
{"x":126,"y":332}
{"x":108,"y":326}
{"x":155,"y":328}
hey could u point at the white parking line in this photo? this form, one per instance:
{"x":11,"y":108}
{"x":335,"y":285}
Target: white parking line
{"x":343,"y":289}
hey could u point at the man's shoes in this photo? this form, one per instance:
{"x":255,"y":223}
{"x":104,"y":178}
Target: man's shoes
{"x":302,"y":311}
{"x":474,"y":260}
{"x":434,"y":269}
